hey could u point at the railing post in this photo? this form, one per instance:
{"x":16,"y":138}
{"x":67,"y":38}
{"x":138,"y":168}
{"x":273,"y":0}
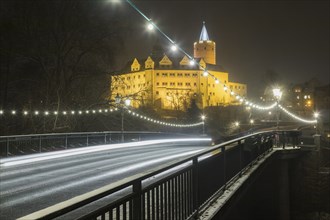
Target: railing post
{"x":223,"y":151}
{"x":240,"y":157}
{"x":137,"y":209}
{"x":87,"y":140}
{"x":195,"y":186}
{"x":66,"y":141}
{"x":105,"y":138}
{"x":283,"y":139}
{"x":40,"y":144}
{"x":259,"y":147}
{"x":7,"y":147}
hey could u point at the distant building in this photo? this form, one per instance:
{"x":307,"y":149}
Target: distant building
{"x":172,"y":83}
{"x":301,"y":97}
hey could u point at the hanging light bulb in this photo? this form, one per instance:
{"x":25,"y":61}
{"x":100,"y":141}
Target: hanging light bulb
{"x":205,"y":73}
{"x":217,"y":81}
{"x":192,"y":62}
{"x":174,"y":47}
{"x":150,"y":26}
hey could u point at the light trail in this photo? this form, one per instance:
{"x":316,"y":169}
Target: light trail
{"x":8,"y":162}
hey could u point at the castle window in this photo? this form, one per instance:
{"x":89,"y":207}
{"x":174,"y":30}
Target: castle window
{"x":128,"y":87}
{"x":128,"y":78}
{"x":157,"y":74}
{"x":144,"y":75}
{"x":180,"y":74}
{"x":195,"y":84}
{"x":187,"y":84}
{"x":164,"y":74}
{"x":194,"y":75}
{"x":172,"y":74}
{"x":204,"y":48}
{"x":213,"y":93}
{"x":202,"y":84}
{"x":225,"y":81}
{"x":164,"y":83}
{"x":187,"y":74}
{"x":179,"y":84}
{"x":172,"y":84}
{"x":231,"y":87}
{"x":116,"y":88}
{"x":138,"y":76}
{"x":157,"y":83}
{"x":213,"y":85}
{"x":157,"y":93}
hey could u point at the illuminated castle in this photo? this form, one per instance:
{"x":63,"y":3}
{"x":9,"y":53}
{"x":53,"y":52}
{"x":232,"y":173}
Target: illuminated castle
{"x":166,"y":82}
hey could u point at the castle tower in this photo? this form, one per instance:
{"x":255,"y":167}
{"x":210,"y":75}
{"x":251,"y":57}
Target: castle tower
{"x":205,"y":48}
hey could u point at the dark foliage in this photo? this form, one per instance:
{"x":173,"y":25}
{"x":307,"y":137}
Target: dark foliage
{"x":56,"y":55}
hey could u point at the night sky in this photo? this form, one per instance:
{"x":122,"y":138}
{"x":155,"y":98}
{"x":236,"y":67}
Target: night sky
{"x":288,"y":38}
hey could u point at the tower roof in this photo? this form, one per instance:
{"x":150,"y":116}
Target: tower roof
{"x":204,"y":36}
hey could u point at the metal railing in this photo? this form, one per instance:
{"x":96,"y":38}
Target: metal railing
{"x":178,"y":190}
{"x":37,"y":143}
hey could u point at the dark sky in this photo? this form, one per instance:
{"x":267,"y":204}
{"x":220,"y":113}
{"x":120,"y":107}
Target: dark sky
{"x":289,"y":38}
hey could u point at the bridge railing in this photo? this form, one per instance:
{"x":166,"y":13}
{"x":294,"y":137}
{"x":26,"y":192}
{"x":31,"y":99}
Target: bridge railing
{"x":179,"y":190}
{"x":28,"y":144}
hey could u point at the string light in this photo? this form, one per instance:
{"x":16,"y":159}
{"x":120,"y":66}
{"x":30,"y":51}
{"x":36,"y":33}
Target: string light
{"x":296,"y":117}
{"x":140,"y":116}
{"x":174,"y":47}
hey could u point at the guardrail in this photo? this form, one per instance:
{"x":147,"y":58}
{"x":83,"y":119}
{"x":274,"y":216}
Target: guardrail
{"x":37,"y":143}
{"x":178,"y":190}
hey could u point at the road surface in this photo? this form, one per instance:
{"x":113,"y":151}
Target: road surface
{"x":29,"y":184}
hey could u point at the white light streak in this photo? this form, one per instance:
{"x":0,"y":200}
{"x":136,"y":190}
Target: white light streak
{"x":8,"y":162}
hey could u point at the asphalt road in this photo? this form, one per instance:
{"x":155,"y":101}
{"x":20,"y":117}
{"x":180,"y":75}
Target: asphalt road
{"x":27,"y":185}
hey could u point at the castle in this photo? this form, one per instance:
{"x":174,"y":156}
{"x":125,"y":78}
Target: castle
{"x":173,"y":83}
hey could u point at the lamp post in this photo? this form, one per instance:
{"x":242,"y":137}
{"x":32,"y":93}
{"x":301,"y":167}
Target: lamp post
{"x":122,"y":105}
{"x":237,"y":125}
{"x":203,"y":120}
{"x":251,"y":123}
{"x":277,"y":94}
{"x":316,"y":115}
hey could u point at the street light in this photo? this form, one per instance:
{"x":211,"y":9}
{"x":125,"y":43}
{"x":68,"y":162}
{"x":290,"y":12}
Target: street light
{"x":122,"y":105}
{"x":277,"y":94}
{"x":316,"y":115}
{"x":251,"y":122}
{"x":203,"y":117}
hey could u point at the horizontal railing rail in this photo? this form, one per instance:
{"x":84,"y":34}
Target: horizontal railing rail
{"x":36,"y":143}
{"x":179,"y":190}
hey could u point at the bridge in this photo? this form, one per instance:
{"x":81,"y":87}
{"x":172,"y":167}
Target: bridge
{"x":154,"y":176}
